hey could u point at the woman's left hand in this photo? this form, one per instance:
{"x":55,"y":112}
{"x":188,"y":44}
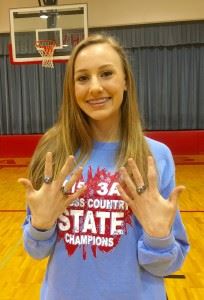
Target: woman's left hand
{"x":155,"y":214}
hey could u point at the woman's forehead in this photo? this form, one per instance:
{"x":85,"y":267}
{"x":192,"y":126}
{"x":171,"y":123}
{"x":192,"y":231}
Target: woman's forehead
{"x":97,"y":55}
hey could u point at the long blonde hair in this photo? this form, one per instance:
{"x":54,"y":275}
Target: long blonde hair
{"x":72,"y":131}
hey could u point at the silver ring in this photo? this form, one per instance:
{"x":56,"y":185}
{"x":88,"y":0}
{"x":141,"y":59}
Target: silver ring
{"x":141,"y":189}
{"x":64,"y":191}
{"x":48,"y":179}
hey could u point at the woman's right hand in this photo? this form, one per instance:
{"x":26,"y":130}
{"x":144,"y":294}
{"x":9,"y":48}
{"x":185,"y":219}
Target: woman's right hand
{"x":49,"y":202}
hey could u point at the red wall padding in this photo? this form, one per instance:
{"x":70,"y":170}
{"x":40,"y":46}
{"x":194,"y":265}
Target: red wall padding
{"x":18,"y":145}
{"x":189,"y":142}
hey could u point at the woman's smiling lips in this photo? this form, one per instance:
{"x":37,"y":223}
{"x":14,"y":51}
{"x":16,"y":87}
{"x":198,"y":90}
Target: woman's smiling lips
{"x":98,"y":102}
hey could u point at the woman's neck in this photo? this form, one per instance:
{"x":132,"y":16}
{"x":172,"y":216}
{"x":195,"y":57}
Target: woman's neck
{"x":105,"y":131}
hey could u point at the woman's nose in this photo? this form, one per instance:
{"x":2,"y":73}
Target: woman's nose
{"x":95,"y":85}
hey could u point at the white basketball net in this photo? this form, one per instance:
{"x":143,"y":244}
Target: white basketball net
{"x":46,"y":49}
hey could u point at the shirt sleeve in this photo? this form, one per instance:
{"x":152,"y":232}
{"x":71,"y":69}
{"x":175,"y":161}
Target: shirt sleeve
{"x":38,"y":244}
{"x":162,"y":257}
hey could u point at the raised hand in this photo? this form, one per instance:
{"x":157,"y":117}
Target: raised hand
{"x":155,"y":214}
{"x":50,"y":201}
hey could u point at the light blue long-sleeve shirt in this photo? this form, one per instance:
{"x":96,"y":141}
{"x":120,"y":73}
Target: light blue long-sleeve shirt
{"x":98,"y":250}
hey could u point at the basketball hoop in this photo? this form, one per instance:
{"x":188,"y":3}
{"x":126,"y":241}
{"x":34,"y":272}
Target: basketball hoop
{"x":46,"y":49}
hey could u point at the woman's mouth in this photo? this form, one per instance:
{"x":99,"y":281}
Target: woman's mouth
{"x":98,"y":101}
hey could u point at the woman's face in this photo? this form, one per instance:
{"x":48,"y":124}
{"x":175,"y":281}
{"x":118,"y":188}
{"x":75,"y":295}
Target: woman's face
{"x":99,"y":82}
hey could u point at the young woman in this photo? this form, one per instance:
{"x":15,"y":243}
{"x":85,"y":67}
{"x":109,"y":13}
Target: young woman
{"x":102,"y":201}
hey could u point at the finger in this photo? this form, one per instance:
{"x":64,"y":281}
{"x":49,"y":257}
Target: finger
{"x":71,"y":197}
{"x":128,"y":182}
{"x":27,"y":184}
{"x":66,"y":169}
{"x":74,"y":178}
{"x":48,"y":164}
{"x":135,"y":172}
{"x":152,"y":173}
{"x":123,"y":185}
{"x":125,"y":196}
{"x":173,"y":199}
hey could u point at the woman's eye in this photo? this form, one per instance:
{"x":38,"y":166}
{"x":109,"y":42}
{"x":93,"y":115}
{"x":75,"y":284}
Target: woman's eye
{"x":82,"y":78}
{"x":106,"y":74}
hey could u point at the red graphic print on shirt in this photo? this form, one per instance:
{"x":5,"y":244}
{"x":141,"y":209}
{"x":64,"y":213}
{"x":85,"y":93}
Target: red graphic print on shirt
{"x":97,"y":219}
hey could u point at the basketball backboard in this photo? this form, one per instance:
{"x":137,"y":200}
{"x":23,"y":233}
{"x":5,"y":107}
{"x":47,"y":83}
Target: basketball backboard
{"x":65,"y":24}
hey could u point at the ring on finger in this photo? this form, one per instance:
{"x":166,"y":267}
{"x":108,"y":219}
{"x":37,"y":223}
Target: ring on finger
{"x":141,"y":189}
{"x":48,"y":179}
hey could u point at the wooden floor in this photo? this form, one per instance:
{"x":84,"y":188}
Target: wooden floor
{"x":21,"y":276}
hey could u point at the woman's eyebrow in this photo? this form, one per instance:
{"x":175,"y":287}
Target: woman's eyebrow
{"x":86,"y":70}
{"x":81,"y":70}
